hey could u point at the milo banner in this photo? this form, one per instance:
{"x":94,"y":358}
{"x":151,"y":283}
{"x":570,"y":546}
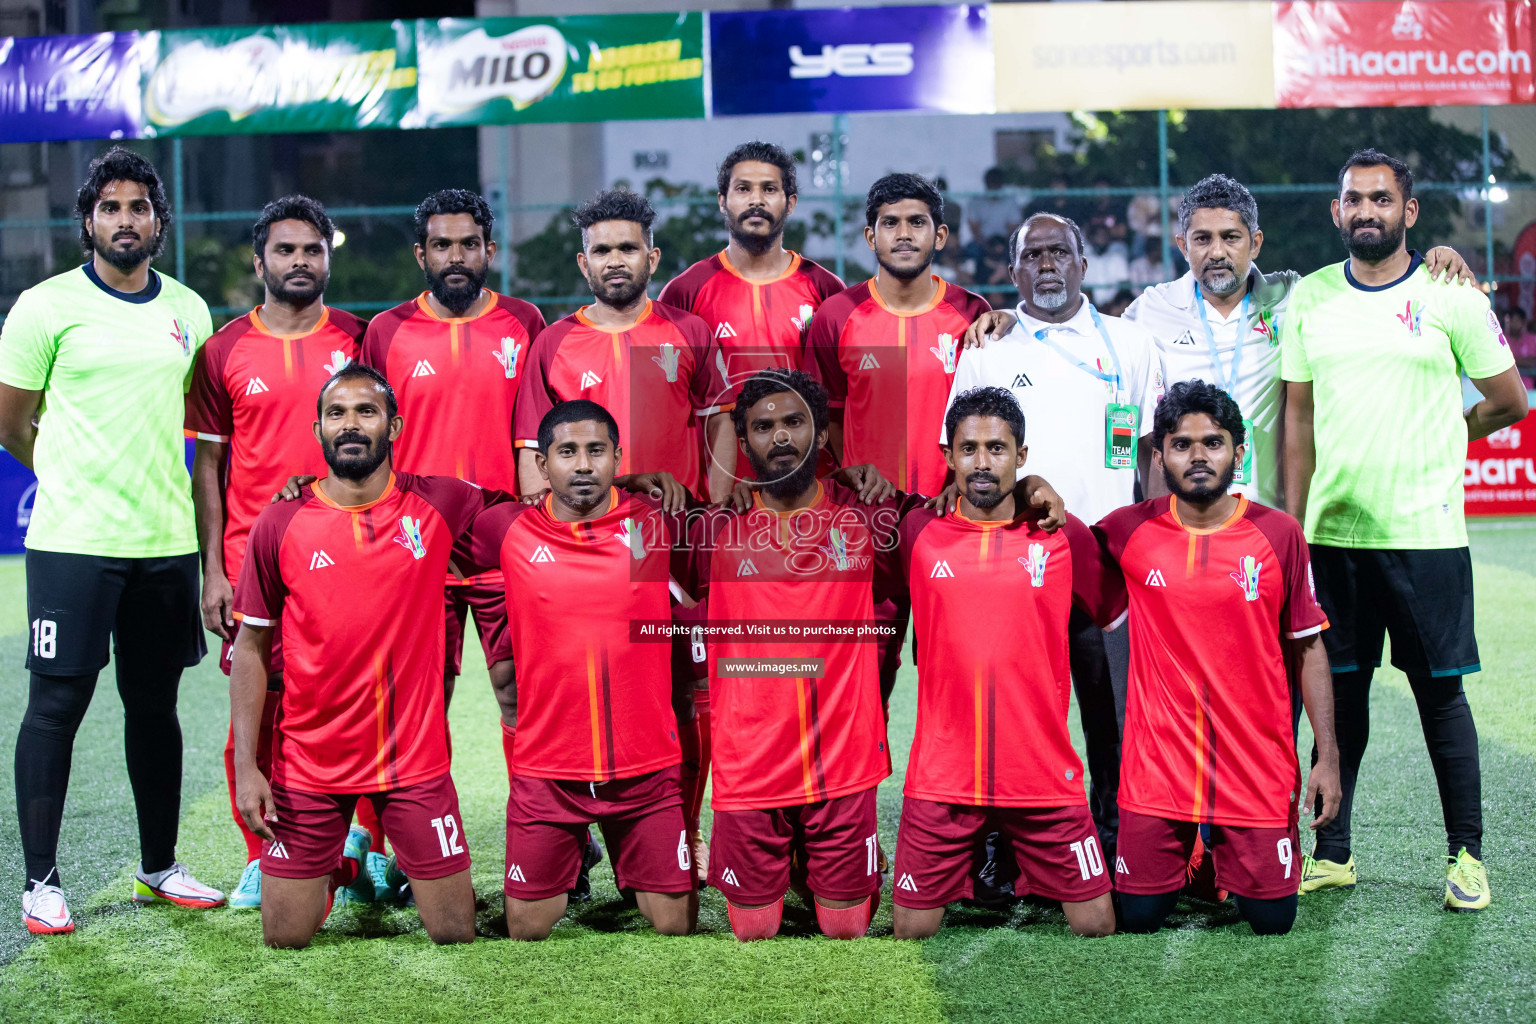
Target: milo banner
{"x":573,"y":68}
{"x":283,"y":78}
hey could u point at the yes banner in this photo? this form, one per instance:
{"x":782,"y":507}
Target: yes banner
{"x":1414,"y":54}
{"x":577,"y":68}
{"x":892,"y":58}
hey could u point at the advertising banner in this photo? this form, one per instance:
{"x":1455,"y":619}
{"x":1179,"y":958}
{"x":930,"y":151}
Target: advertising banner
{"x":891,"y":58}
{"x":18,"y":488}
{"x":1133,"y":56}
{"x":1500,"y":477}
{"x":615,"y":67}
{"x":277,"y":78}
{"x":1414,"y":54}
{"x":69,"y":87}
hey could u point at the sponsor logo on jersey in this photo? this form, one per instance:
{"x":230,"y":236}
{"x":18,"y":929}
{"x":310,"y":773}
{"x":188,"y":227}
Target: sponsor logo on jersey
{"x":906,"y":882}
{"x":1265,"y":325}
{"x":1035,"y":563}
{"x":339,"y":361}
{"x":1155,"y":579}
{"x":423,"y":369}
{"x":1022,"y":380}
{"x":507,"y":356}
{"x":803,"y":321}
{"x":941,"y":571}
{"x":869,"y":362}
{"x":667,"y":360}
{"x":837,"y":548}
{"x":746,"y":568}
{"x":723,"y":329}
{"x":1497,"y":329}
{"x":1185,"y":339}
{"x":852,"y":60}
{"x":515,"y":874}
{"x":729,"y":878}
{"x":409,"y":537}
{"x":629,"y":536}
{"x":181,"y":334}
{"x":256,"y":386}
{"x":1120,"y":868}
{"x":1311,"y":583}
{"x":1247,"y":577}
{"x":320,"y":560}
{"x":1412,"y":317}
{"x":947,"y":351}
{"x":276,"y":850}
{"x":541,"y":554}
{"x":589,"y":380}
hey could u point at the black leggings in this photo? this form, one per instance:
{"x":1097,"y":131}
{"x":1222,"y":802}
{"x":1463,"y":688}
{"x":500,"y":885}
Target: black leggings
{"x":1146,"y":914}
{"x":152,"y":740}
{"x":1449,"y":733}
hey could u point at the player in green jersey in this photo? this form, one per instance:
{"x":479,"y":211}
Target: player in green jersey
{"x":1376,"y":438}
{"x":93,"y":369}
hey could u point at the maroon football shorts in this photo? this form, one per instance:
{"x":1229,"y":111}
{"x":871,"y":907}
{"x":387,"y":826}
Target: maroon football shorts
{"x":1260,"y":863}
{"x":835,"y":843}
{"x":641,"y":819}
{"x":422,"y":821}
{"x":274,"y":660}
{"x":937,"y":847}
{"x":488,"y":601}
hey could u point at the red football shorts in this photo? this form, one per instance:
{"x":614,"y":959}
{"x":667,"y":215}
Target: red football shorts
{"x":939,"y":845}
{"x":1260,"y":863}
{"x":489,"y":604}
{"x":835,"y":843}
{"x":641,"y":819}
{"x":423,"y":823}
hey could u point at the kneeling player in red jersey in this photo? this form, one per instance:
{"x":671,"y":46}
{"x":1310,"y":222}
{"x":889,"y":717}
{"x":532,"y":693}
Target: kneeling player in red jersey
{"x":354,"y":571}
{"x":991,"y":593}
{"x":596,"y":738}
{"x":1218,"y":587}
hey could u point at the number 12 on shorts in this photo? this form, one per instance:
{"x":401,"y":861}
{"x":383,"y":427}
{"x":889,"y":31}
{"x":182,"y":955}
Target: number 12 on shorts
{"x":1089,"y":860}
{"x":448,"y":835}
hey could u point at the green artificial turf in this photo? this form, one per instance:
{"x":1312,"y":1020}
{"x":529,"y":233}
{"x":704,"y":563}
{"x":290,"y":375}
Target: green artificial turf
{"x":1385,"y":952}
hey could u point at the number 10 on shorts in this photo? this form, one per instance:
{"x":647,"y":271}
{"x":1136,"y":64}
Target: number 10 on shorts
{"x":448,"y":835}
{"x":1090,"y":862}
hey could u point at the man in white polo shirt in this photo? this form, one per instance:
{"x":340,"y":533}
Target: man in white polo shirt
{"x":1088,"y":384}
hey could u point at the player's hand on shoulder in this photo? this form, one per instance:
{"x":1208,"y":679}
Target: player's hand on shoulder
{"x":992,"y":324}
{"x":1444,"y":259}
{"x":1040,"y":494}
{"x":661,"y":486}
{"x":947,"y":500}
{"x":740,"y":498}
{"x":535,"y":498}
{"x":867,"y":481}
{"x":294,"y":487}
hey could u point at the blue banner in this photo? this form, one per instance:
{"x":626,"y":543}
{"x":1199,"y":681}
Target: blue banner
{"x":69,"y":87}
{"x":890,"y":58}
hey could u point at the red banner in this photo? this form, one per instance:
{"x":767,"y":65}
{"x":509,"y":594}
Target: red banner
{"x":1500,"y":477}
{"x":1414,"y":54}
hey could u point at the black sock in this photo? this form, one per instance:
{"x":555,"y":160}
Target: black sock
{"x":44,"y":749}
{"x":1146,"y":914}
{"x":1268,"y":917}
{"x":1352,"y":727}
{"x":152,"y":743}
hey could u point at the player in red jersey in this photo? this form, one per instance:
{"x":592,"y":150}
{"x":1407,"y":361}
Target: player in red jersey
{"x":594,"y":737}
{"x":1220,"y":595}
{"x":456,"y":354}
{"x":248,"y":409}
{"x":991,"y":593}
{"x":353,"y":573}
{"x":757,"y":297}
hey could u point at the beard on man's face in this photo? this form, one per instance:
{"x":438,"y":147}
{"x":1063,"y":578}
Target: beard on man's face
{"x":986,"y":499}
{"x":752,"y":242}
{"x":908,"y":273}
{"x":1389,"y":239}
{"x":355,"y":467}
{"x":1202,"y":493}
{"x":124,"y":259}
{"x":295,"y":287}
{"x":617,"y":292}
{"x":778,"y":483}
{"x":457,"y":299}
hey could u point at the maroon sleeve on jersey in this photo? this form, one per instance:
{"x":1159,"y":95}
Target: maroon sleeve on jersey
{"x":1302,"y":616}
{"x":261,"y":591}
{"x":381,"y":332}
{"x":1113,"y":533}
{"x":707,"y":388}
{"x":534,"y":397}
{"x":683,"y":290}
{"x":821,"y":348}
{"x":457,"y":501}
{"x":1098,"y":587}
{"x":478,"y":549}
{"x":526,"y":313}
{"x":352,"y":326}
{"x":911,"y":526}
{"x":826,"y":283}
{"x":967,"y":303}
{"x":209,"y":410}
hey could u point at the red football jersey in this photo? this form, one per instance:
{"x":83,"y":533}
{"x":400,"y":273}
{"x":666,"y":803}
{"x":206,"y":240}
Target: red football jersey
{"x":1208,"y":733}
{"x":359,"y":591}
{"x":591,"y":704}
{"x":989,"y":605}
{"x":658,"y":378}
{"x":890,"y":374}
{"x":777,"y":741}
{"x":255,"y":391}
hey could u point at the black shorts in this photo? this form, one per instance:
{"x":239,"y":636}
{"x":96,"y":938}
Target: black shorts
{"x":1423,"y":599}
{"x":149,"y":606}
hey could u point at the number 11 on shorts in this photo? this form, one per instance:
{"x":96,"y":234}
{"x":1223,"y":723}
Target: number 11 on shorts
{"x":871,"y":854}
{"x":448,"y":835}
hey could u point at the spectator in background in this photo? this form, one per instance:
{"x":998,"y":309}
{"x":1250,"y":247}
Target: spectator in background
{"x":1148,"y":268}
{"x":1522,"y":343}
{"x":1117,"y":305}
{"x":954,"y":213}
{"x":1109,"y":263}
{"x":992,"y":215}
{"x":992,"y":272}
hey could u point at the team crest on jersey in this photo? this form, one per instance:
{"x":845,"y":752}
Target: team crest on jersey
{"x":1247,"y":577}
{"x":181,"y":334}
{"x":507,"y":356}
{"x":1021,"y":380}
{"x":256,"y":386}
{"x":869,"y":362}
{"x":746,"y":568}
{"x":803,"y":321}
{"x":837,"y":548}
{"x":947,"y":351}
{"x":339,"y":361}
{"x":320,"y":560}
{"x":589,"y":380}
{"x":1412,"y":317}
{"x":941,"y":571}
{"x":409,"y":537}
{"x":541,"y":554}
{"x":1035,"y":563}
{"x":723,"y":329}
{"x":423,"y":369}
{"x":1265,"y":325}
{"x":667,"y":360}
{"x":629,"y":536}
{"x":1155,"y":579}
{"x":1187,"y":338}
{"x":1497,"y":329}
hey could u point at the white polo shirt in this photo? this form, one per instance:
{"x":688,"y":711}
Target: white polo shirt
{"x":1065,"y":405}
{"x":1170,"y":313}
